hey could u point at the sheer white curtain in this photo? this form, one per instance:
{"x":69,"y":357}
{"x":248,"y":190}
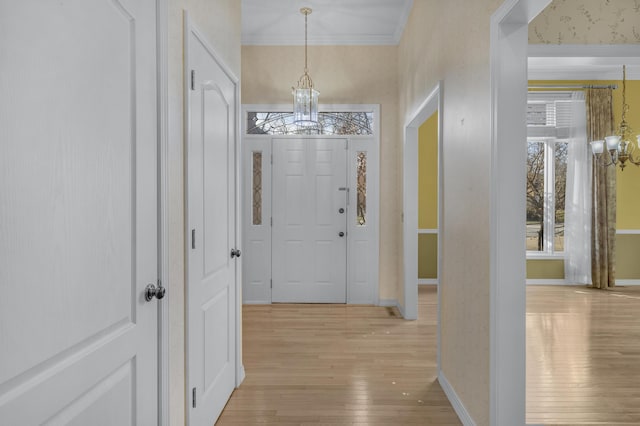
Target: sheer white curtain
{"x":577,"y":231}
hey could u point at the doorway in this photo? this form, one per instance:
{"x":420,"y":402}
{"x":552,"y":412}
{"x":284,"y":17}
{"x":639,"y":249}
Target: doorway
{"x":311,"y":229}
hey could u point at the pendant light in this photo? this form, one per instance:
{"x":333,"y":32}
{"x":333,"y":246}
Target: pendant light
{"x":305,"y":97}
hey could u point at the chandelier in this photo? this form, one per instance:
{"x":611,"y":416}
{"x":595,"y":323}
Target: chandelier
{"x":619,"y":146}
{"x":305,"y":97}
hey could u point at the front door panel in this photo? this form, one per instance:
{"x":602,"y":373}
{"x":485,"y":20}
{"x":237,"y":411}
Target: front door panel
{"x":309,"y":227}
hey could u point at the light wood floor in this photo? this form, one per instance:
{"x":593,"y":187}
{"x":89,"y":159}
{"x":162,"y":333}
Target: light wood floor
{"x":356,"y":365}
{"x":339,"y":365}
{"x":583,"y":355}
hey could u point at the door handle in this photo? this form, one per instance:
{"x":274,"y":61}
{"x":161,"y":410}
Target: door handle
{"x":340,"y":234}
{"x":235,"y":253}
{"x":340,"y":210}
{"x":152,"y":291}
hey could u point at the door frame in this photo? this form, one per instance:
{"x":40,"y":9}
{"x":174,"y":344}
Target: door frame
{"x":508,"y":85}
{"x":162,"y":41}
{"x":190,"y":28}
{"x":432,"y":103}
{"x":373,"y":192}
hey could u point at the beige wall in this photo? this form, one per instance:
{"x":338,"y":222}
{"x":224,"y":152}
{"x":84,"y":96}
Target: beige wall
{"x":342,"y":75}
{"x":433,"y":48}
{"x":219,"y":20}
{"x":587,"y":22}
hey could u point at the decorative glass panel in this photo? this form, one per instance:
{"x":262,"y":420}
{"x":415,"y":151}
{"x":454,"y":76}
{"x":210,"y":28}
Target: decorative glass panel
{"x":257,"y":188}
{"x":361,"y":178}
{"x":329,"y":123}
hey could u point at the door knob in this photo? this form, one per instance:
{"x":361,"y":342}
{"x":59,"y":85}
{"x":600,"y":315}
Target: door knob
{"x":340,"y":210}
{"x":340,"y":234}
{"x":152,"y":291}
{"x":235,"y":253}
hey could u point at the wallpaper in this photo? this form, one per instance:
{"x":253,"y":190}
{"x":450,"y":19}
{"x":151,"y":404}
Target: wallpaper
{"x":587,"y":22}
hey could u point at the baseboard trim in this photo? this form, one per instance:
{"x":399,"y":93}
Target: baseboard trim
{"x":256,"y":302}
{"x":392,"y":303}
{"x":627,"y":282}
{"x":388,"y":302}
{"x":241,"y":375}
{"x":455,"y":401}
{"x":556,"y":281}
{"x":427,"y":281}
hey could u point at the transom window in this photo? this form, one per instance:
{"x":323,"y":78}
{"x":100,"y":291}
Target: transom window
{"x":329,"y":123}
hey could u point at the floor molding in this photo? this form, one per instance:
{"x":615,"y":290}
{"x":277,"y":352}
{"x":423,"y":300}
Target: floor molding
{"x":455,"y":401}
{"x":556,"y":281}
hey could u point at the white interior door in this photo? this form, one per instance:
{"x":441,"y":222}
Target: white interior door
{"x":78,"y":212}
{"x":211,"y":226}
{"x":309,"y":220}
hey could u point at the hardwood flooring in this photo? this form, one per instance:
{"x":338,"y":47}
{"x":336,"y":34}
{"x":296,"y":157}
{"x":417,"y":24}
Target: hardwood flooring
{"x":339,"y":365}
{"x":583,"y":355}
{"x":363,"y":365}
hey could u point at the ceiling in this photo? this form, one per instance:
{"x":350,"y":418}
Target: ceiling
{"x":332,"y":22}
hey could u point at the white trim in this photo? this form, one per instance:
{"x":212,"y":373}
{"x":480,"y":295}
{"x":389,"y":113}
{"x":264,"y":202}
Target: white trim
{"x":428,"y":281}
{"x":508,"y":86}
{"x":162,"y":23}
{"x":583,"y":50}
{"x":583,"y":61}
{"x":432,"y":103}
{"x":536,"y":281}
{"x":627,"y":231}
{"x":373,"y":192}
{"x":627,"y":282}
{"x":427,"y":231}
{"x":535,"y":255}
{"x":410,"y":196}
{"x":455,"y":400}
{"x":402,"y":22}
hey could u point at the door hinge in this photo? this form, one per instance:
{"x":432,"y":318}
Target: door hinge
{"x":193,"y":79}
{"x":193,"y":238}
{"x":271,"y":158}
{"x":272,"y":221}
{"x":193,"y":397}
{"x":271,"y":282}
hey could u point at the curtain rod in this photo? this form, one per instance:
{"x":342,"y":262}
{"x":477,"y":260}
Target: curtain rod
{"x":573,"y":86}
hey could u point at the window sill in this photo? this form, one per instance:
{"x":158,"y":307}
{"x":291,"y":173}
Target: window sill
{"x":532,"y":255}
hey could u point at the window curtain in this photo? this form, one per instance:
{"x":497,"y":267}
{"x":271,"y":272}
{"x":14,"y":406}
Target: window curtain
{"x":603,"y":213}
{"x":577,"y":218}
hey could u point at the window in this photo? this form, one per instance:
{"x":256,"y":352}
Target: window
{"x":548,"y":123}
{"x":329,"y":123}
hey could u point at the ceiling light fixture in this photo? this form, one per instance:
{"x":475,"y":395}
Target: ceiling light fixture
{"x":305,"y":97}
{"x":619,"y":147}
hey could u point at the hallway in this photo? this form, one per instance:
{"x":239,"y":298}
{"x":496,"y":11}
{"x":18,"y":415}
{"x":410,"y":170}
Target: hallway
{"x":338,"y":365}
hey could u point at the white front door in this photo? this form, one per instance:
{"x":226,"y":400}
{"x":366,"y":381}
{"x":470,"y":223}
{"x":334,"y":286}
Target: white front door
{"x":211,"y":228}
{"x":78,"y":213}
{"x":309,"y":220}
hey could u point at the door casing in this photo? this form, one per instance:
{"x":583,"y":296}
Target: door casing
{"x":363,"y":242}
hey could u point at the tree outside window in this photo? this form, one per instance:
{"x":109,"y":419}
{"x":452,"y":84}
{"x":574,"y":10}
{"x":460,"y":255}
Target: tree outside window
{"x":546,"y":187}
